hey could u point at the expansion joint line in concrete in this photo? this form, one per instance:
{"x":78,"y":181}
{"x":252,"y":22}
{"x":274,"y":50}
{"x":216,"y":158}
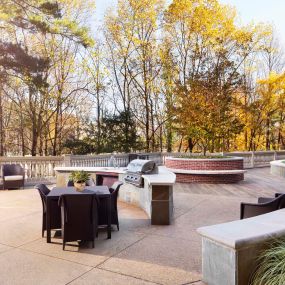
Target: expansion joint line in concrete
{"x":113,"y":255}
{"x":201,"y":202}
{"x":107,"y":270}
{"x":79,"y":276}
{"x":18,"y":246}
{"x":146,"y":280}
{"x":193,"y":282}
{"x":25,"y":216}
{"x":99,"y":265}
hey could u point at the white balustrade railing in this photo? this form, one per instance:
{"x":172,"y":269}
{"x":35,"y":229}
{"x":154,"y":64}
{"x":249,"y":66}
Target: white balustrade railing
{"x":41,"y":168}
{"x":254,"y":159}
{"x":122,"y":160}
{"x":36,"y":167}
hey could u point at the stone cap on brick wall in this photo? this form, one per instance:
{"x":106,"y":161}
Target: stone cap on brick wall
{"x":205,"y":172}
{"x":204,"y":159}
{"x":280,"y":163}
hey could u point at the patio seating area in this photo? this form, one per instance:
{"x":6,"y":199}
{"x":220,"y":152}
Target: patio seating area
{"x":137,"y":254}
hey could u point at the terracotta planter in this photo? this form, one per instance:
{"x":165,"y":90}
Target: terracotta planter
{"x":79,"y":186}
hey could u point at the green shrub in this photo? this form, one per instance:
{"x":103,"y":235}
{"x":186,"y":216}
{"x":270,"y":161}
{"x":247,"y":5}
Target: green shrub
{"x":200,"y":156}
{"x":271,"y":265}
{"x":79,"y":176}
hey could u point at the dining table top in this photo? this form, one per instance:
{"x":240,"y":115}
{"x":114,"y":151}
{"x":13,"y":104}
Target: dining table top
{"x":101,"y":191}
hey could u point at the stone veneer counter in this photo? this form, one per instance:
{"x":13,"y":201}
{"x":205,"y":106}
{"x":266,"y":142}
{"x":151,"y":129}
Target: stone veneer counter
{"x":155,"y":197}
{"x":230,"y":250}
{"x":212,"y":170}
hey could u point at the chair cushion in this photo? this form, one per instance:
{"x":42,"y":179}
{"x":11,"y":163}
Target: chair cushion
{"x":13,"y":177}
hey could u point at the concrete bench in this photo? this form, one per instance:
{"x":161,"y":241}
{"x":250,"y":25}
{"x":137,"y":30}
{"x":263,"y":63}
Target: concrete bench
{"x":230,"y":250}
{"x":207,"y":172}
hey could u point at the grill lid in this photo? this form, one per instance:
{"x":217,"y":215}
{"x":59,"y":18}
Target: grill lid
{"x":141,"y":166}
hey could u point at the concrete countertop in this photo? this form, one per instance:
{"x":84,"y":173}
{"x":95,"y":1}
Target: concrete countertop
{"x":242,"y":233}
{"x":120,"y":170}
{"x":163,"y":177}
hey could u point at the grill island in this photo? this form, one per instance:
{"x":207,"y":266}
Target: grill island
{"x":137,"y":168}
{"x":153,"y":193}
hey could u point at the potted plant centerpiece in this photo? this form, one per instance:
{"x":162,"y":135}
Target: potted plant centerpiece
{"x":79,"y":179}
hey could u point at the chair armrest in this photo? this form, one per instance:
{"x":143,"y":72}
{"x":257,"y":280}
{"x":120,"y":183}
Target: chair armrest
{"x":248,"y":210}
{"x":262,"y":200}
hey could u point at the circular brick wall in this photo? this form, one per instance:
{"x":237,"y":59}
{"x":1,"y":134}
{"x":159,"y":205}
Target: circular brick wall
{"x":204,"y":165}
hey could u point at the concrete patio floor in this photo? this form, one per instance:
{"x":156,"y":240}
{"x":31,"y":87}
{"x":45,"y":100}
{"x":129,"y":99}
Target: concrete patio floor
{"x":138,"y":254}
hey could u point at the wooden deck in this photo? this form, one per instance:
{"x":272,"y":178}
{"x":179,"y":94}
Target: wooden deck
{"x":258,"y":182}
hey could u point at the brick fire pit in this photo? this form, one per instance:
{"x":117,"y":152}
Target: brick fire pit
{"x":212,"y":170}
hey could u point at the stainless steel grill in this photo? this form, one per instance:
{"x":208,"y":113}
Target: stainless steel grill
{"x":138,"y":167}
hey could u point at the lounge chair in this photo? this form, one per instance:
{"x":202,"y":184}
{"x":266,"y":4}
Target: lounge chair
{"x":13,"y":176}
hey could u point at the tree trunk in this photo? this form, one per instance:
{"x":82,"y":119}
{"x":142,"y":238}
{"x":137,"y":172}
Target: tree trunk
{"x":2,"y":135}
{"x":191,"y":145}
{"x":153,"y":147}
{"x":22,"y":137}
{"x":147,"y":126}
{"x":56,"y":127}
{"x":160,"y":139}
{"x":180,"y":144}
{"x":41,"y":143}
{"x":267,"y":144}
{"x":34,"y":141}
{"x":98,"y":122}
{"x":169,"y":137}
{"x":245,"y":139}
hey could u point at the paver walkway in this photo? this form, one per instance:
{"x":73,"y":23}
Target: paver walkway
{"x":138,"y":254}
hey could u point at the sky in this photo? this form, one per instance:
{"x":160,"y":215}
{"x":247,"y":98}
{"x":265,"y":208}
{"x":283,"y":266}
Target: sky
{"x":266,"y":11}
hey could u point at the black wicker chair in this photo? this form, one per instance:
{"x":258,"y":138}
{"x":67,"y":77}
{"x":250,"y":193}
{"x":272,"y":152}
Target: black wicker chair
{"x":264,"y":205}
{"x":13,"y":176}
{"x":55,"y":209}
{"x":103,"y":214}
{"x":79,"y":216}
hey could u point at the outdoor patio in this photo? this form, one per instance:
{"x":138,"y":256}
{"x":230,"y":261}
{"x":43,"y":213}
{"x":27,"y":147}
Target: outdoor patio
{"x":139,"y":253}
